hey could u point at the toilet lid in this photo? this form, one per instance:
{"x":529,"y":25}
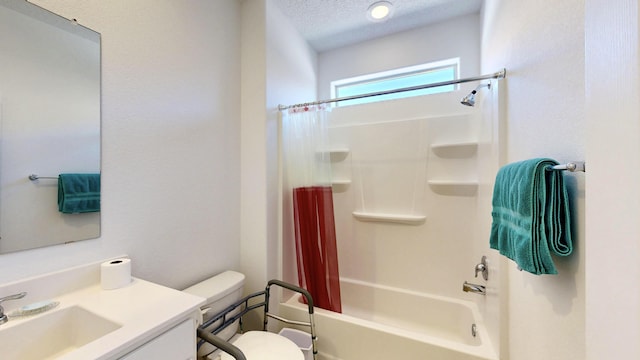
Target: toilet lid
{"x":262,"y":345}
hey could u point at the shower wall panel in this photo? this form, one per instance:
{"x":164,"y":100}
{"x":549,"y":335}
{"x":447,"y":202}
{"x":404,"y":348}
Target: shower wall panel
{"x":399,"y":161}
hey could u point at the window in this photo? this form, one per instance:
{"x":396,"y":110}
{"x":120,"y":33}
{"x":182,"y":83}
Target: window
{"x":394,"y":79}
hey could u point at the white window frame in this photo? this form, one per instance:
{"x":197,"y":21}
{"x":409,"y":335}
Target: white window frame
{"x":398,"y":73}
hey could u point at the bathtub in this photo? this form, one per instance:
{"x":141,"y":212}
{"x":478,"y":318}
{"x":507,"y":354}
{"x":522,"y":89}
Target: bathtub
{"x":381,"y":322}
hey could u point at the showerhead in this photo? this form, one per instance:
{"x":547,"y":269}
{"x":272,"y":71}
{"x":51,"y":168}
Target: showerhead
{"x":470,"y":100}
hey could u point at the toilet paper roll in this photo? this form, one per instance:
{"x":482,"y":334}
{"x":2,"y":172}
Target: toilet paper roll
{"x":115,"y":273}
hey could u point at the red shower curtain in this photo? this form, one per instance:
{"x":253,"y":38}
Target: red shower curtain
{"x":316,"y":250}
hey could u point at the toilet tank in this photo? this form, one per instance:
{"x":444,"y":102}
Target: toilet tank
{"x":221,"y":291}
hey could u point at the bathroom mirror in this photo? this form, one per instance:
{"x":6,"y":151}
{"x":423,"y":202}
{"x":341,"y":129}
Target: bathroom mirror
{"x":49,"y":123}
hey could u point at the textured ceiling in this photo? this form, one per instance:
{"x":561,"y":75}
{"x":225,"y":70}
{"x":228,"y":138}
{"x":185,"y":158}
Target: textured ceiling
{"x":328,"y":24}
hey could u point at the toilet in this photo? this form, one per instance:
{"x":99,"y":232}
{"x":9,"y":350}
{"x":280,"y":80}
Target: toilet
{"x":222,"y":291}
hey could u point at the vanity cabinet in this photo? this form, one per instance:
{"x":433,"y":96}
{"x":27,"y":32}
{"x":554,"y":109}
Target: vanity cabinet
{"x":177,"y":343}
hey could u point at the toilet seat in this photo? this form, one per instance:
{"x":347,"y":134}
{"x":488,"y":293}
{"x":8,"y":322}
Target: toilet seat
{"x":262,"y":345}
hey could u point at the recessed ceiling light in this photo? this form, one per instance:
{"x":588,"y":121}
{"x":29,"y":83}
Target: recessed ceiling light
{"x":380,"y":11}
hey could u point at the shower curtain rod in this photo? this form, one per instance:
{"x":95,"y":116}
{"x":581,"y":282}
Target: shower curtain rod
{"x":498,"y":75}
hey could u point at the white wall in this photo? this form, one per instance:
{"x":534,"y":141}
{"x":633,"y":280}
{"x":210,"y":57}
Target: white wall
{"x":291,"y":79}
{"x":253,"y":160}
{"x":278,"y":68}
{"x":170,"y":140}
{"x":612,"y":117}
{"x":542,"y":46}
{"x":455,"y":38}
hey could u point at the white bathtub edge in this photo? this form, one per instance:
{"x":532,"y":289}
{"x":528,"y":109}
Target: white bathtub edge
{"x":483,"y":351}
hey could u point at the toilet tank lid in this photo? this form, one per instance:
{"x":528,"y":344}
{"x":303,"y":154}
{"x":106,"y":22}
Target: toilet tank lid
{"x":218,"y":286}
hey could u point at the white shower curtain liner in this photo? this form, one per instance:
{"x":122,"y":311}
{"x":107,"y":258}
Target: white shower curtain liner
{"x":307,"y":165}
{"x":305,"y":136}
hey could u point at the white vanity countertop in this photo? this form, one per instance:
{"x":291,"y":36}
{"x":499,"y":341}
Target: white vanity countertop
{"x":143,"y":309}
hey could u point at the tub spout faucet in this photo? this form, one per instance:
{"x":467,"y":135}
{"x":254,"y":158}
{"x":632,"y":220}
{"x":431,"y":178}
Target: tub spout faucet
{"x":476,"y":289}
{"x":3,"y":317}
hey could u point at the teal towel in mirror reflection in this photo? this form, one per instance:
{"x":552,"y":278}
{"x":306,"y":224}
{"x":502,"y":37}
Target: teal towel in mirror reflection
{"x":531,"y":215}
{"x":78,"y":193}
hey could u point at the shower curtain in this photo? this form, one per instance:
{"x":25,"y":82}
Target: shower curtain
{"x":307,"y":168}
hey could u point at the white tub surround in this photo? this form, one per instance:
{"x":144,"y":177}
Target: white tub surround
{"x":138,"y":321}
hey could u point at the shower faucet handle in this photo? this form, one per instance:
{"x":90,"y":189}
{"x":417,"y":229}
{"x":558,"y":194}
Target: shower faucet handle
{"x":3,"y":316}
{"x":483,"y":268}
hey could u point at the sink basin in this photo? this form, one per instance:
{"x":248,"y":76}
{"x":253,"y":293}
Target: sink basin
{"x":52,"y":334}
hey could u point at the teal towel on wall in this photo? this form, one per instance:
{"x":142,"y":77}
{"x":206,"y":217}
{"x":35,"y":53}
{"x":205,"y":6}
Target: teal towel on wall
{"x":78,"y":193}
{"x":531,"y":215}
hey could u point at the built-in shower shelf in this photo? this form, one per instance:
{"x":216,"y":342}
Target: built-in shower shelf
{"x":339,"y":186}
{"x":341,"y":182}
{"x":336,"y":154}
{"x":337,"y":150}
{"x":390,"y":218}
{"x":455,"y":150}
{"x":454,"y":187}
